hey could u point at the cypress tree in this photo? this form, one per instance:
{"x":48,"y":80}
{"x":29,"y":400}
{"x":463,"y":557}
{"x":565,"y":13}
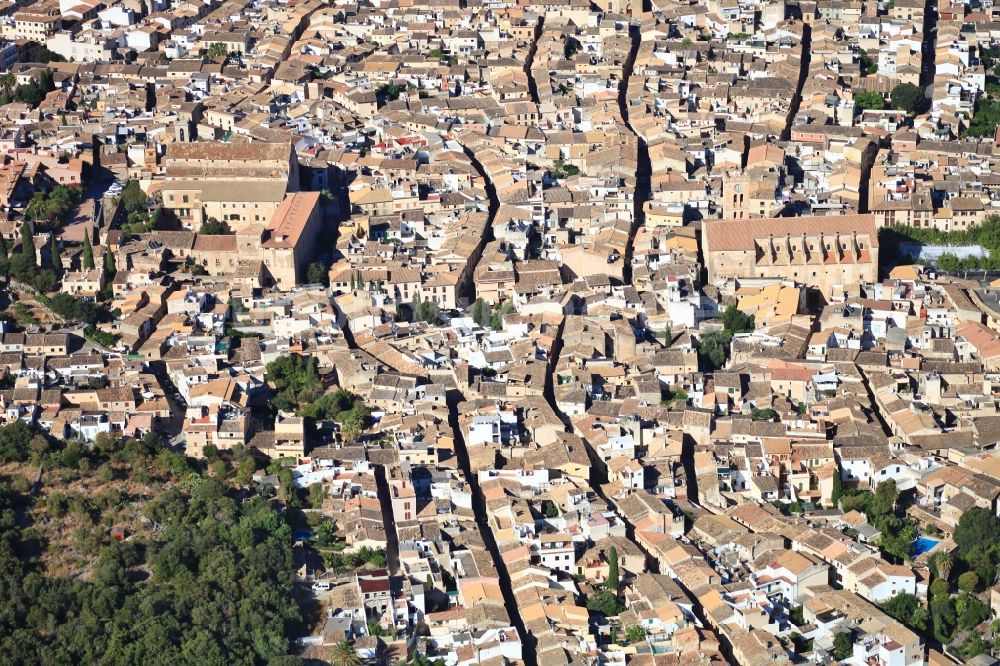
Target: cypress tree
{"x":27,"y":240}
{"x":415,"y":307}
{"x":109,"y":264}
{"x":614,"y":578}
{"x":55,"y":256}
{"x":88,"y":253}
{"x":4,"y":259}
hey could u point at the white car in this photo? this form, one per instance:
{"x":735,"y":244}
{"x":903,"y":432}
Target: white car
{"x":321,"y":586}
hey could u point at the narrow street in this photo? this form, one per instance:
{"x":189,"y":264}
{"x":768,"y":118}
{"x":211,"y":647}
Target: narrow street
{"x":597,"y":477}
{"x":928,"y":54}
{"x":478,"y":501}
{"x":388,"y":521}
{"x":644,"y":169}
{"x":530,"y":61}
{"x":479,"y":509}
{"x":494,"y":206}
{"x":804,"y":63}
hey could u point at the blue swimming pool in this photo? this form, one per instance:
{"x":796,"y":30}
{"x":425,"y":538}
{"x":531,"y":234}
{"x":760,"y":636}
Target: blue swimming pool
{"x":924,"y":545}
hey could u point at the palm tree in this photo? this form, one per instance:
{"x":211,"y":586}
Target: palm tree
{"x":386,"y":654}
{"x":943,"y":563}
{"x":344,"y":654}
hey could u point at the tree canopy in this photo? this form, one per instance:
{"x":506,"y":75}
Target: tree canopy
{"x":50,"y":208}
{"x":735,"y":320}
{"x":977,"y":528}
{"x":713,"y":347}
{"x":32,"y":92}
{"x":908,"y":97}
{"x":906,"y":608}
{"x":296,"y":381}
{"x":603,"y":602}
{"x":213,"y":227}
{"x":133,"y":198}
{"x":220,"y":590}
{"x":868,"y":99}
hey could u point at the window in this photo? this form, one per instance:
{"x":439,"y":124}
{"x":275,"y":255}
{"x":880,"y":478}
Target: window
{"x":185,"y":198}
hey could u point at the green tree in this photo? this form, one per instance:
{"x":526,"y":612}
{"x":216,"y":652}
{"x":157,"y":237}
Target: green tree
{"x":614,"y":577}
{"x":843,"y":646}
{"x":504,"y":309}
{"x":210,"y":551}
{"x":328,"y":405}
{"x":735,"y":320}
{"x":55,"y":255}
{"x":973,"y":647}
{"x":714,"y":349}
{"x":32,"y":92}
{"x":244,"y":470}
{"x":317,"y":494}
{"x":942,"y":561}
{"x":73,"y":308}
{"x":854,"y":500}
{"x":326,"y":533}
{"x":867,"y":65}
{"x":316,"y":274}
{"x":943,"y":618}
{"x":968,"y":581}
{"x":110,"y":269}
{"x":976,"y":527}
{"x":44,"y":55}
{"x":948,"y":262}
{"x":481,"y":312}
{"x":344,"y":654}
{"x":216,"y":50}
{"x":415,"y":307}
{"x":296,"y":381}
{"x":939,"y":588}
{"x":898,"y":535}
{"x":15,"y":440}
{"x":885,"y":498}
{"x":868,"y":99}
{"x":388,"y":92}
{"x":88,"y":253}
{"x":906,"y":608}
{"x":428,"y":312}
{"x":213,"y":227}
{"x":603,"y":602}
{"x":908,"y":97}
{"x":838,"y":487}
{"x":352,"y":422}
{"x":133,"y":198}
{"x":986,"y":116}
{"x":971,"y":612}
{"x":983,"y":560}
{"x":635,"y":634}
{"x":27,"y":241}
{"x":49,"y":209}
